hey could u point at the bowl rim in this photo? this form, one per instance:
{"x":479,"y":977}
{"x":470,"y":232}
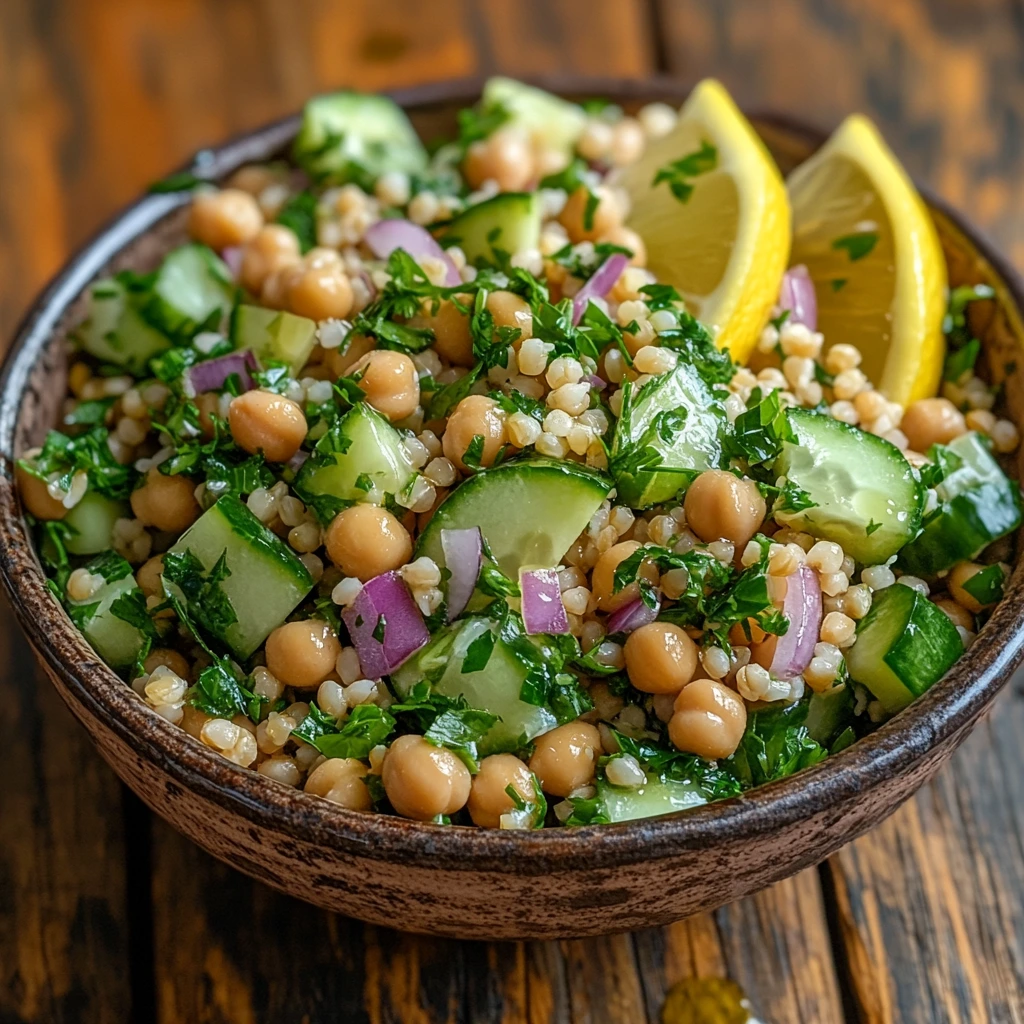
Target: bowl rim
{"x":947,"y":709}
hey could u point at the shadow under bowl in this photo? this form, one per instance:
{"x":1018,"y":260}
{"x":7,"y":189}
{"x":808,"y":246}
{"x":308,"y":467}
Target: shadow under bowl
{"x":464,"y":882}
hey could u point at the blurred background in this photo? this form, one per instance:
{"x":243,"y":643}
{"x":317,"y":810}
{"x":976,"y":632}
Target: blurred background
{"x":105,"y":915}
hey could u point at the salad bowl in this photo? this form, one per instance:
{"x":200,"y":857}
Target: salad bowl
{"x":455,"y":881}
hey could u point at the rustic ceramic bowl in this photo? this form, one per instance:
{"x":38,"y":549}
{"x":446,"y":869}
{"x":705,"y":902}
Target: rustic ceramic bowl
{"x":459,"y":881}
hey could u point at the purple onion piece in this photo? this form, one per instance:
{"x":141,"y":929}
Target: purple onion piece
{"x":463,"y":556}
{"x":211,"y":374}
{"x":402,"y":633}
{"x":597,"y":383}
{"x":296,"y":462}
{"x":599,"y":284}
{"x":232,"y":257}
{"x":543,"y":611}
{"x":798,"y":296}
{"x":386,"y":236}
{"x":803,"y":607}
{"x":632,"y":616}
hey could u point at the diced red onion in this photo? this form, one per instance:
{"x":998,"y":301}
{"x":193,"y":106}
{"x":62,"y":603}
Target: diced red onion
{"x":371,"y":288}
{"x":597,"y":383}
{"x":803,"y":607}
{"x":463,"y":556}
{"x":386,"y":236}
{"x":632,"y":616}
{"x":798,"y":296}
{"x":296,"y":462}
{"x":599,"y":284}
{"x":211,"y":374}
{"x":543,"y":611}
{"x":232,"y":257}
{"x":404,"y":630}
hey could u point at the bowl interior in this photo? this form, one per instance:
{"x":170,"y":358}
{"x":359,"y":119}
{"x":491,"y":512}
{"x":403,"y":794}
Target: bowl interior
{"x":33,"y":393}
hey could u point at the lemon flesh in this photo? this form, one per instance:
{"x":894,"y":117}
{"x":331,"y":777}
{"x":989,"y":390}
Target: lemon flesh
{"x":873,"y":253}
{"x":724,"y":246}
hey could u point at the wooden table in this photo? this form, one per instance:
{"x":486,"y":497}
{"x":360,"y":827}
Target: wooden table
{"x":107,"y":915}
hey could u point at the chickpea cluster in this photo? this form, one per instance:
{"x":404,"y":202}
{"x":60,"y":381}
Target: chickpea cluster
{"x":661,"y":682}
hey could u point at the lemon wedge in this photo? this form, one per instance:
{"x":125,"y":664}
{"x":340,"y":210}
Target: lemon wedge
{"x":711,"y":207}
{"x":874,"y":255}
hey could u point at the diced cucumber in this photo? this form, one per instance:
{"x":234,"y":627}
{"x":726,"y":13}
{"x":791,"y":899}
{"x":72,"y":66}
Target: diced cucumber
{"x":117,"y":641}
{"x":979,"y":504}
{"x":510,"y":223}
{"x":495,"y":688}
{"x":374,"y":464}
{"x":193,"y":291}
{"x":115,"y":332}
{"x":550,"y":121}
{"x":829,"y":713}
{"x":529,"y":512}
{"x":867,"y":497}
{"x":349,"y":135}
{"x":266,"y":579}
{"x":698,"y":446}
{"x":93,"y":520}
{"x":274,"y":336}
{"x":904,"y":645}
{"x":656,"y":796}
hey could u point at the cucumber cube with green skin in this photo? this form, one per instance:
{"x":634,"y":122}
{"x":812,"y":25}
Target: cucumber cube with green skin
{"x":193,"y":291}
{"x":866,"y":496}
{"x":508,"y":223}
{"x":494,"y":688}
{"x":349,"y":136}
{"x":273,"y":336}
{"x":114,"y":330}
{"x":903,"y":646}
{"x":696,"y":447}
{"x":552,"y":122}
{"x":979,"y":504}
{"x":116,"y":640}
{"x":528,"y":511}
{"x":656,"y":796}
{"x":92,"y":521}
{"x":375,"y":462}
{"x":265,"y":579}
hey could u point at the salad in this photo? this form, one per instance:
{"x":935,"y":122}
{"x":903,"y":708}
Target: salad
{"x":574,"y":470}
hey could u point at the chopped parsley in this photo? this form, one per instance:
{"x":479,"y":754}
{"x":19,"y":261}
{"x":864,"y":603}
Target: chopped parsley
{"x":857,"y":245}
{"x":679,"y":174}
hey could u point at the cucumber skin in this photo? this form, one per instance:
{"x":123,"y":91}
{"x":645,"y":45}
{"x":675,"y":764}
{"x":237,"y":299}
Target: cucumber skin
{"x":180,"y":265}
{"x":116,"y":332}
{"x":925,"y":647}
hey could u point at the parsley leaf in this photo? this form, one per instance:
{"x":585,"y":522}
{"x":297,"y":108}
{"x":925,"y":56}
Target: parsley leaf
{"x":62,"y":456}
{"x":219,"y":692}
{"x":857,"y":245}
{"x":204,"y":596}
{"x":679,"y":174}
{"x":776,"y":743}
{"x":299,"y":214}
{"x":986,"y":586}
{"x":758,"y":434}
{"x":366,"y":727}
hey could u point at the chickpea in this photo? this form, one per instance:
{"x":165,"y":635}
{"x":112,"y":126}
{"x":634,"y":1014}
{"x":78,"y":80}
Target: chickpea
{"x":390,"y":381}
{"x":166,"y":502}
{"x":606,"y":216}
{"x":475,"y":415}
{"x":423,"y":781}
{"x":719,"y":505}
{"x":931,"y":421}
{"x":566,"y":758}
{"x":958,"y":576}
{"x":254,"y":178}
{"x":170,"y":659}
{"x":488,"y":797}
{"x":339,"y":361}
{"x":956,"y":613}
{"x":506,"y":157}
{"x":763,"y":652}
{"x":302,"y":653}
{"x":272,"y":424}
{"x":709,"y":719}
{"x":660,"y":658}
{"x":320,"y":293}
{"x":628,"y":239}
{"x":208,"y":404}
{"x":274,"y":248}
{"x":511,"y":310}
{"x":223,"y":219}
{"x":36,"y":498}
{"x":148,"y":577}
{"x":452,"y":338}
{"x":365,"y":541}
{"x":340,"y":780}
{"x":193,"y":720}
{"x":602,"y":583}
